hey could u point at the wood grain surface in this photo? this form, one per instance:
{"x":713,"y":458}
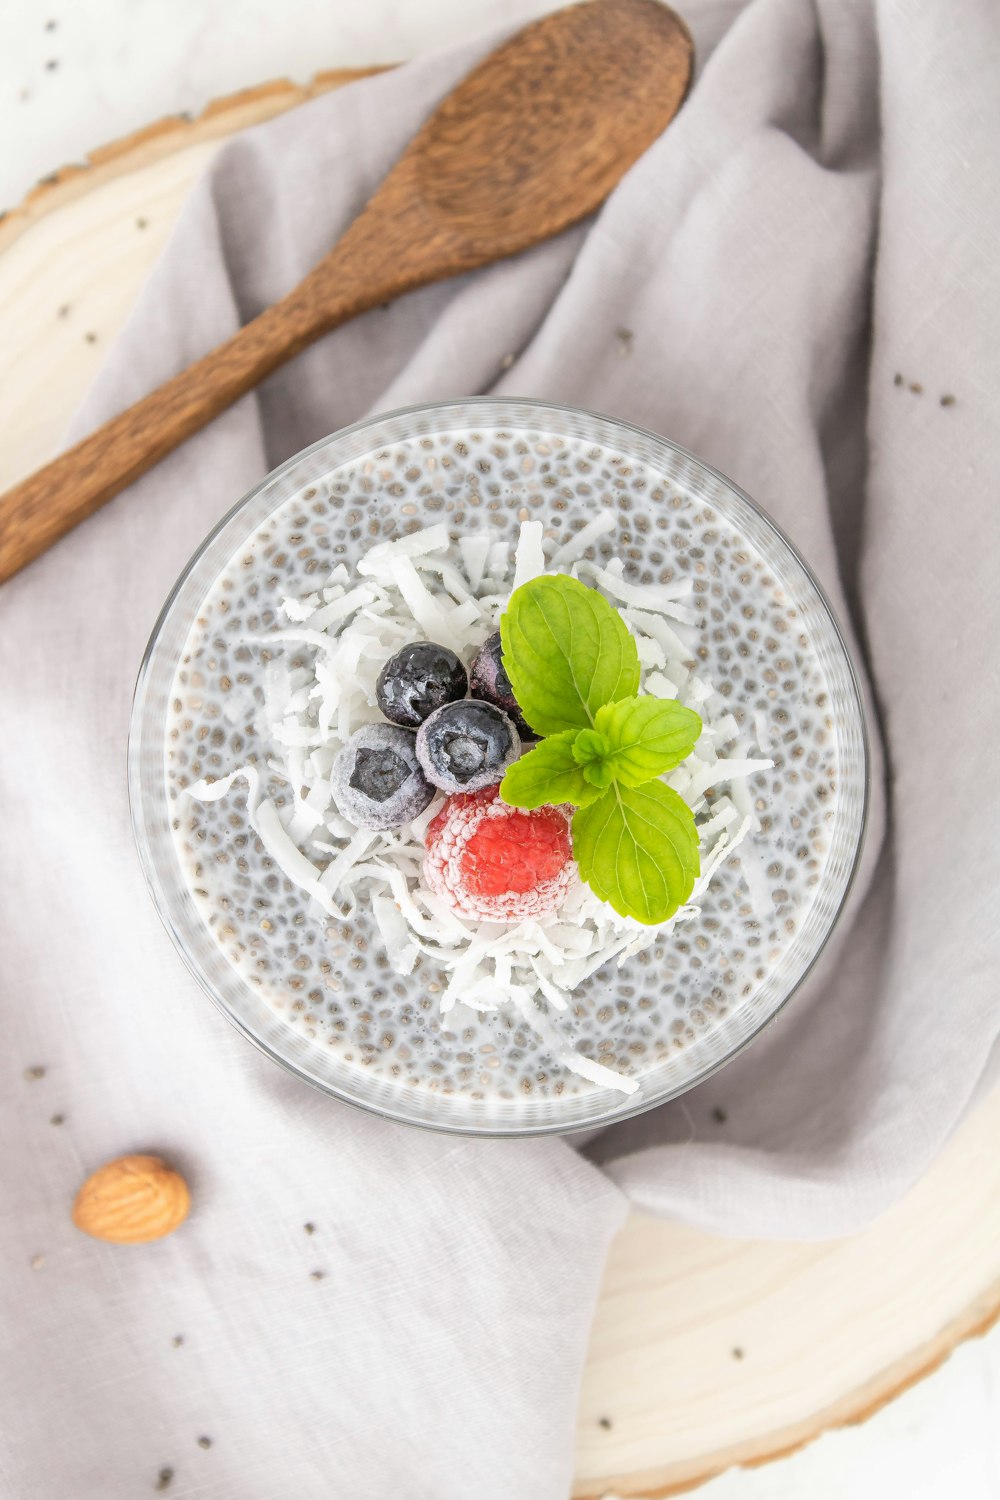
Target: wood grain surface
{"x":826,"y":1333}
{"x":530,"y":142}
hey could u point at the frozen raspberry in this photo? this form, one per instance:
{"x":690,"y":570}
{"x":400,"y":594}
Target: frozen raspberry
{"x":495,"y":863}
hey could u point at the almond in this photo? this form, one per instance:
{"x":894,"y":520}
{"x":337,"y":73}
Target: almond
{"x":132,"y":1200}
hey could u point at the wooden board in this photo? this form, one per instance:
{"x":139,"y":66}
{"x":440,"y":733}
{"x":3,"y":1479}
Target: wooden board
{"x":706,"y":1352}
{"x":74,"y":254}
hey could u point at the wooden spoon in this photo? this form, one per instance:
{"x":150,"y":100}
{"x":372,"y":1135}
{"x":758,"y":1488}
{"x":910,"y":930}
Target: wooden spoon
{"x":531,"y":141}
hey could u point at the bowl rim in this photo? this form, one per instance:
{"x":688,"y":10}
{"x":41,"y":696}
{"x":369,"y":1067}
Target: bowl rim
{"x":629,"y":1109}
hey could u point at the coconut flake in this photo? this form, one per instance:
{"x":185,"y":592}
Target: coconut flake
{"x":650,"y":652}
{"x":529,"y":559}
{"x":377,"y":561}
{"x":210,"y":791}
{"x":645,"y":623}
{"x":723,"y":730}
{"x":339,"y":609}
{"x":723,"y":771}
{"x":724,"y":815}
{"x":755,"y":878}
{"x":288,"y":856}
{"x":761,"y":730}
{"x":659,"y":597}
{"x":424,"y":606}
{"x":499,"y":560}
{"x":725,"y":845}
{"x":450,"y":577}
{"x":576,"y":1062}
{"x":400,"y":951}
{"x":338,"y":868}
{"x":660,"y":686}
{"x":299,"y":610}
{"x":461,"y":617}
{"x":475,"y":550}
{"x":572,"y":550}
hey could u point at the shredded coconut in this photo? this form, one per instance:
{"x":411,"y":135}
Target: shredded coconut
{"x":529,"y":560}
{"x":420,"y":586}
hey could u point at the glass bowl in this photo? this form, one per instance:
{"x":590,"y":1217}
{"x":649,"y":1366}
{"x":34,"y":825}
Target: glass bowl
{"x":487,"y":462}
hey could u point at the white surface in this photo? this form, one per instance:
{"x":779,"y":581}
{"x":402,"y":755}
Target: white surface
{"x":937,"y":1442}
{"x":121,"y":63}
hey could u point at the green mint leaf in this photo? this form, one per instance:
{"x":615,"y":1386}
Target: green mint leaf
{"x":599,"y":774}
{"x":646,"y":736}
{"x":548,"y":774}
{"x":637,"y":849}
{"x":566,"y":652}
{"x":591,"y":751}
{"x":588,"y":745}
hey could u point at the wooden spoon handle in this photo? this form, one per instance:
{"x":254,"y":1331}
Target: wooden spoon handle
{"x":43,"y":507}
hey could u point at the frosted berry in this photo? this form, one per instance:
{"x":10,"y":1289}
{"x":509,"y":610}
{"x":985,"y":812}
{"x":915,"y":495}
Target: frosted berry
{"x":487,"y":679}
{"x":465,"y":746}
{"x":417,"y":680}
{"x":376,"y":778}
{"x":494,"y":863}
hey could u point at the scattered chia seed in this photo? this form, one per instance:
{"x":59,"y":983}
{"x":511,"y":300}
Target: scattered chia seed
{"x":51,"y":25}
{"x":507,"y":361}
{"x":64,"y":311}
{"x":34,"y":1072}
{"x":317,"y":1275}
{"x":947,"y":401}
{"x":58,"y":1120}
{"x":164,"y":1479}
{"x":604,"y":1422}
{"x":625,"y":337}
{"x":91,"y":338}
{"x":37,"y":1262}
{"x":916,"y":388}
{"x":309,"y":1228}
{"x":51,"y":65}
{"x":177,"y":1340}
{"x":897,"y":379}
{"x":141,"y":223}
{"x":204,"y":1442}
{"x":719,"y":1116}
{"x":737,"y":1353}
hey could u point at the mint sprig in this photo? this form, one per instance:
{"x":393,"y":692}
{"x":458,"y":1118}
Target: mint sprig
{"x":574,"y":670}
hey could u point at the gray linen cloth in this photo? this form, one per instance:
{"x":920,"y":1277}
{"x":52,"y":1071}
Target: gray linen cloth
{"x":806,"y":265}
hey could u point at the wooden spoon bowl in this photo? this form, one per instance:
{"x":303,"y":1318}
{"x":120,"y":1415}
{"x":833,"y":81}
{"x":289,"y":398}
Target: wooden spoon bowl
{"x":539,"y":134}
{"x":530,"y":142}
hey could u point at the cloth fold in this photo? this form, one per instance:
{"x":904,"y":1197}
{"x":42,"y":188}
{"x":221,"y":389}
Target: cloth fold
{"x":797,"y":281}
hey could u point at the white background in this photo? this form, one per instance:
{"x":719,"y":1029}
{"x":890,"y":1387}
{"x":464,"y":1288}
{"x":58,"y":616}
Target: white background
{"x":77,"y":73}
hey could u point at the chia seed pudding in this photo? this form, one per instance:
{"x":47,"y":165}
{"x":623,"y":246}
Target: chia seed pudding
{"x":335,"y":928}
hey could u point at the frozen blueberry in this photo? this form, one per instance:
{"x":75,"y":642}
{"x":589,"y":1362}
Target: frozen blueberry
{"x":417,"y":680}
{"x":465,"y":746}
{"x":487,"y":679}
{"x":376,"y":779}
